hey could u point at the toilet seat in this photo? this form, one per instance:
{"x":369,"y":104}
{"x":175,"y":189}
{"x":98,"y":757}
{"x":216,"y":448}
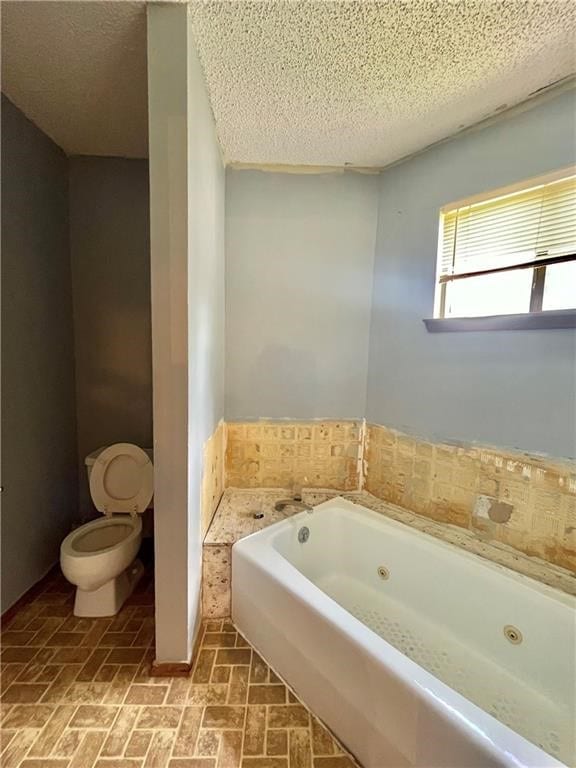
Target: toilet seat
{"x":98,"y":537}
{"x":122,"y":480}
{"x":96,"y":557}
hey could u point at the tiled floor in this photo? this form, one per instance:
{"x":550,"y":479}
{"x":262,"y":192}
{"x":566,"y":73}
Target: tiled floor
{"x":76,"y":693}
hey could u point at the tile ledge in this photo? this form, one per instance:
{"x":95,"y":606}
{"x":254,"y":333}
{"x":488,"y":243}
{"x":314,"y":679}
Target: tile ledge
{"x":503,"y":555}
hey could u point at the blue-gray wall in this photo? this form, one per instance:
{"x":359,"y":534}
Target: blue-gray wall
{"x":508,"y":388}
{"x":110,"y":255}
{"x":299,"y":259}
{"x":39,"y":472}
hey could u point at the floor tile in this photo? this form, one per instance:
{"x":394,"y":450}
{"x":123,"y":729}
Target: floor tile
{"x":267,"y":694}
{"x":160,"y":717}
{"x":28,"y":716}
{"x":24,"y":693}
{"x":138,"y":744}
{"x":146,"y":694}
{"x":90,"y":716}
{"x":223,"y":717}
{"x":277,"y":742}
{"x":77,"y":693}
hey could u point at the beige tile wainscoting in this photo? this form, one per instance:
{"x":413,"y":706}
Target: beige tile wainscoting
{"x":437,"y":480}
{"x":77,"y":693}
{"x":318,"y":454}
{"x":442,"y":481}
{"x":212,"y":474}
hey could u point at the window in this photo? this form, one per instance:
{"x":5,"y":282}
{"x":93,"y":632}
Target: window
{"x":514,"y":253}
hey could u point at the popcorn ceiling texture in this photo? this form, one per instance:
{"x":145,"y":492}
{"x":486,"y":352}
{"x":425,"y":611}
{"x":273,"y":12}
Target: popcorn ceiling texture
{"x":78,"y":70}
{"x":295,"y":82}
{"x":366,"y":83}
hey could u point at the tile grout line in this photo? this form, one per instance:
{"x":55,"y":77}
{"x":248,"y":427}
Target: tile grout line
{"x":176,"y":732}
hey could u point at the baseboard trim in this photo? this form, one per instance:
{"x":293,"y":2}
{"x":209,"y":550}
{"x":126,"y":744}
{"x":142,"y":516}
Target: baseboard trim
{"x":178,"y":668}
{"x":29,"y":595}
{"x":170,"y":669}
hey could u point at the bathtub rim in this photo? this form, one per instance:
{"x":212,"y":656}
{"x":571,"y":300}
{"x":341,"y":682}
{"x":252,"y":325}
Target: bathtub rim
{"x":359,"y":509}
{"x":479,"y":725}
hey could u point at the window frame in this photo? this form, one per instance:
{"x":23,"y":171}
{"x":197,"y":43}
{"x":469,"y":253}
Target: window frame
{"x":536,"y":291}
{"x":535,"y":317}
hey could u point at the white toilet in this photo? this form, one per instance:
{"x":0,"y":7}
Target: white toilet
{"x":99,"y":557}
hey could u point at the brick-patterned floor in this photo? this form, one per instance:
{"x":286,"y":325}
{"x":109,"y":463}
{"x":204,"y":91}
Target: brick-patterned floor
{"x":76,"y":693}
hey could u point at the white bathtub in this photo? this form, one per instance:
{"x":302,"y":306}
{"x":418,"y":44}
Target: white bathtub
{"x":414,"y":669}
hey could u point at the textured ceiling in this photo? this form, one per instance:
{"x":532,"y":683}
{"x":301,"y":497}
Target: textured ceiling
{"x":366,"y":83}
{"x":78,"y":70}
{"x":292,"y":82}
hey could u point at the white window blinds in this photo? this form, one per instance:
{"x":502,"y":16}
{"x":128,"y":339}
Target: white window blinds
{"x":533,"y":225}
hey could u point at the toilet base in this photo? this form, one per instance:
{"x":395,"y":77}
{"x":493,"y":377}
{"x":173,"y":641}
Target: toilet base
{"x":110,"y":597}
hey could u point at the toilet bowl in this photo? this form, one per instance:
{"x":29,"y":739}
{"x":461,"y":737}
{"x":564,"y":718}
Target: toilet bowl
{"x":99,"y":557}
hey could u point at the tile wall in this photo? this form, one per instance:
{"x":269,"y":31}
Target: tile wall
{"x":213,"y":475}
{"x":267,"y":454}
{"x":442,"y":482}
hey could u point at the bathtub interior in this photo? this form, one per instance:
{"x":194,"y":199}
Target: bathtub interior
{"x":448,"y":611}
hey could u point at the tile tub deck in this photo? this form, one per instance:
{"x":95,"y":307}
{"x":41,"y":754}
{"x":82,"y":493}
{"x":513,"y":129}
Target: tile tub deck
{"x":234,"y":519}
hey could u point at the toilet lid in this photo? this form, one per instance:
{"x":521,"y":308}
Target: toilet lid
{"x":122,"y":479}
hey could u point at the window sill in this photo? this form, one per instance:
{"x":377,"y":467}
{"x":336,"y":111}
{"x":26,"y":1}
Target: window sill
{"x":565,"y":318}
